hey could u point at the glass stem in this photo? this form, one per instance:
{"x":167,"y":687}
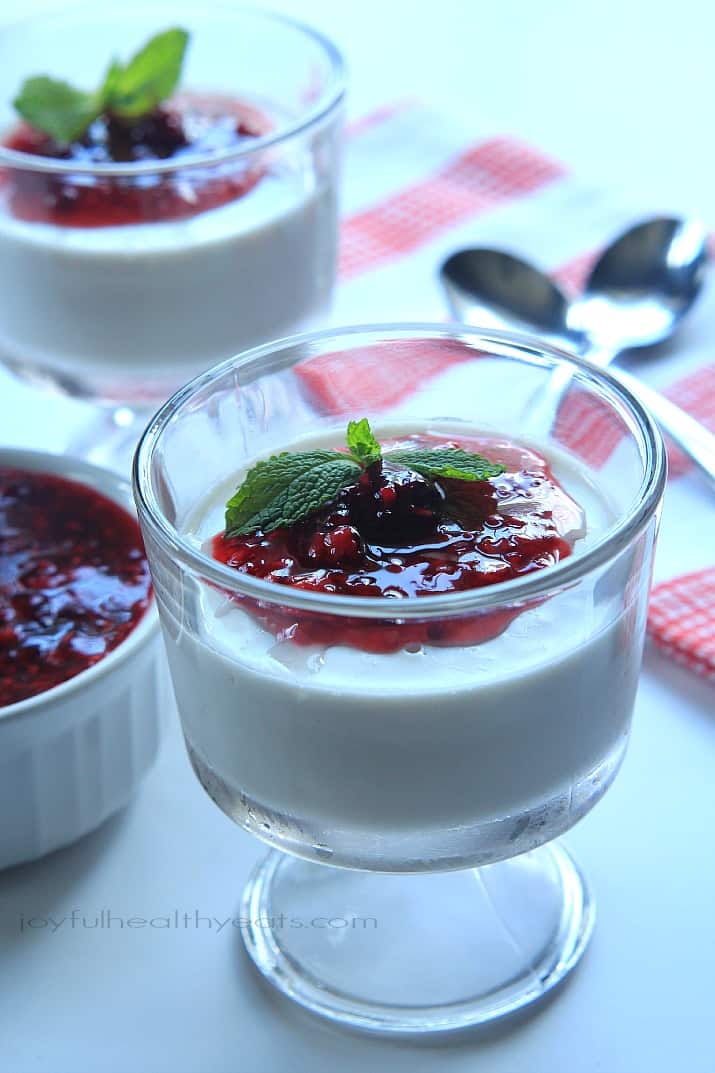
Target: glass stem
{"x":109,"y":437}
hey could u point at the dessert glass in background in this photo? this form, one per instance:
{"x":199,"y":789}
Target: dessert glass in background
{"x":122,"y":313}
{"x":455,"y":760}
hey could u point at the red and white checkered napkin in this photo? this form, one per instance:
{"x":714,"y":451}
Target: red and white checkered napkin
{"x":415,"y":189}
{"x":682,"y":620}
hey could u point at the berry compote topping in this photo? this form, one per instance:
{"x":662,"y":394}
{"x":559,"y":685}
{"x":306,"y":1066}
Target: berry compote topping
{"x":394,"y":534}
{"x":74,"y":580}
{"x":189,"y":126}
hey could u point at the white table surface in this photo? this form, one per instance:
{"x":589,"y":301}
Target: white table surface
{"x":622,"y":92}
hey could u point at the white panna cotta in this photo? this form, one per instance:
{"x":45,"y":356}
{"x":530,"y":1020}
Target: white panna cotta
{"x":130,"y":311}
{"x":434,"y":754}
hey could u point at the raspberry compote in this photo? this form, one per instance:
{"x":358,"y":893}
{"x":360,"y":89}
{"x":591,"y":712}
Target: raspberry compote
{"x":394,"y":534}
{"x":190,"y":125}
{"x":74,"y":580}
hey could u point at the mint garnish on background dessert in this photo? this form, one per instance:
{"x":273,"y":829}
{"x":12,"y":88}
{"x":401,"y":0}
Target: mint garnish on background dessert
{"x":288,"y":487}
{"x":134,"y":116}
{"x":128,"y":92}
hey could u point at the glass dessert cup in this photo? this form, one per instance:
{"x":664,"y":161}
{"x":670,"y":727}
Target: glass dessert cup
{"x":449,"y":765}
{"x":122,"y":312}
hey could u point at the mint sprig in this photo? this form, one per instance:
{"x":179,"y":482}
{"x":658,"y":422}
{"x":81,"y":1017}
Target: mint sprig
{"x":57,"y":107}
{"x":149,"y":78}
{"x":128,"y":91}
{"x":362,"y":444}
{"x":436,"y":462}
{"x":285,"y":488}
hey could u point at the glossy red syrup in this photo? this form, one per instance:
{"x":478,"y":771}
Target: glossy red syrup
{"x":395,"y":535}
{"x":74,"y":580}
{"x":189,"y":126}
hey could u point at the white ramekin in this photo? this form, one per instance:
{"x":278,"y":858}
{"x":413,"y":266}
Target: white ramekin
{"x":73,"y":755}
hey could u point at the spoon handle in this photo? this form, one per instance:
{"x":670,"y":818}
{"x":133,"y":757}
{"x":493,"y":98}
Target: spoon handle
{"x":692,"y":437}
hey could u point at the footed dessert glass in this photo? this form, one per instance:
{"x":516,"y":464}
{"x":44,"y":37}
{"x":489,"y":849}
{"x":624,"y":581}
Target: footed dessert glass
{"x":120,"y":281}
{"x":415,"y":752}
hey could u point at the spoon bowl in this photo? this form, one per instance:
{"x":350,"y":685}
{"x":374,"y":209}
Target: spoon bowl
{"x":638,"y":292}
{"x":494,"y":288}
{"x":642,"y":285}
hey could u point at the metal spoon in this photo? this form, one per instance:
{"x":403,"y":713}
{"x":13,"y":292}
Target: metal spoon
{"x":641,"y":287}
{"x":496,"y":289}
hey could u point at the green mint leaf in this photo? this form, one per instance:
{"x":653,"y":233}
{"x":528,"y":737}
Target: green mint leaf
{"x":65,"y":112}
{"x":111,"y":81}
{"x":287,"y":487}
{"x":150,"y":76}
{"x":437,"y":462}
{"x":57,"y":108}
{"x":362,"y":444}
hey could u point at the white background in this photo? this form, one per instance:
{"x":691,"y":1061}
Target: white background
{"x":622,"y":91}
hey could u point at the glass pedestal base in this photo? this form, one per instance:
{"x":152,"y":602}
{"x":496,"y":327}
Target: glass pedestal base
{"x":110,"y":436}
{"x":409,"y":954}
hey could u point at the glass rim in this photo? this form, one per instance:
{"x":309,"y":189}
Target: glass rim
{"x":320,"y":111}
{"x":410,"y":608}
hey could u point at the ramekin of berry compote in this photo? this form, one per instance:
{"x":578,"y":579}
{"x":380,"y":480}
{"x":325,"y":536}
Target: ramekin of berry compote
{"x":405,"y":643}
{"x":168,"y":188}
{"x":80,"y":658}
